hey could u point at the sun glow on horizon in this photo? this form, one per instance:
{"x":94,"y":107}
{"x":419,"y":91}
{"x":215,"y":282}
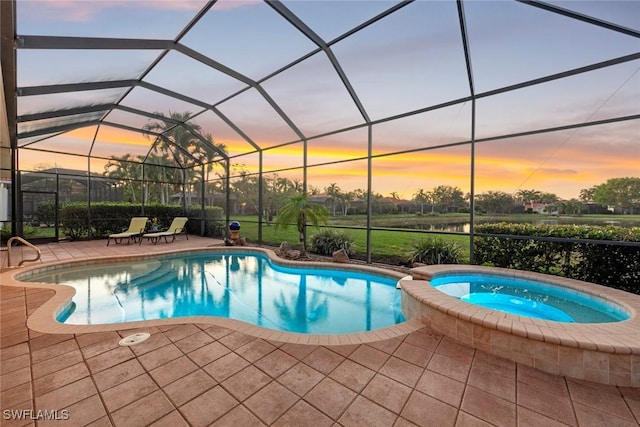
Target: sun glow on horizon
{"x":404,"y":74}
{"x":566,"y":173}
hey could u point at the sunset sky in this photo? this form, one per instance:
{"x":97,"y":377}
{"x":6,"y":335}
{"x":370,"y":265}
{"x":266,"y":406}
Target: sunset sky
{"x":410,"y":60}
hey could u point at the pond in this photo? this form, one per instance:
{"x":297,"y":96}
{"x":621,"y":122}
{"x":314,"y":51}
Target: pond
{"x":454,"y":225}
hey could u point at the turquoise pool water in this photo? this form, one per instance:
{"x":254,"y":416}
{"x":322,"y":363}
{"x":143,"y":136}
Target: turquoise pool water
{"x":243,"y":286}
{"x":529,"y":298}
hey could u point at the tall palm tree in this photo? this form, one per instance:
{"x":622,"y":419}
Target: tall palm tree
{"x":300,"y":210}
{"x":422,"y":197}
{"x":127,"y":169}
{"x":184,"y":142}
{"x":156,"y":176}
{"x":333,"y":191}
{"x":210,"y":153}
{"x":529,"y":196}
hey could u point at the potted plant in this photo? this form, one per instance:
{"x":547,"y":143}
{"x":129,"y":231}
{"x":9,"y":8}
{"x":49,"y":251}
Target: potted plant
{"x":234,"y":230}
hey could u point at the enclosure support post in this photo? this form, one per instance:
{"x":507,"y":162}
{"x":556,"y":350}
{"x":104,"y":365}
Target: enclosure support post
{"x":472,"y":196}
{"x":304,"y":178}
{"x":203,"y":193}
{"x":369,"y":189}
{"x":260,"y":198}
{"x":89,"y":219}
{"x":8,"y":97}
{"x":227,"y":184}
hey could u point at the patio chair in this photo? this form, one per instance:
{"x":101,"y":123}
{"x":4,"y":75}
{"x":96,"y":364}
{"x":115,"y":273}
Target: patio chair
{"x":177,"y":227}
{"x":135,"y":230}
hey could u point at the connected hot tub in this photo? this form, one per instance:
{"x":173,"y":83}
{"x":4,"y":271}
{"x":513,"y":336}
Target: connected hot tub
{"x":529,"y":298}
{"x":594,"y":336}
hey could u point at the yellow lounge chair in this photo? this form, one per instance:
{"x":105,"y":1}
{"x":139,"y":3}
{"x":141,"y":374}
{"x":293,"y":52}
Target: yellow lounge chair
{"x":177,"y":227}
{"x":135,"y":230}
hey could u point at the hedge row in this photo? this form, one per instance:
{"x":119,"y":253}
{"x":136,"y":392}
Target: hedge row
{"x":613,"y":265}
{"x":111,"y":217}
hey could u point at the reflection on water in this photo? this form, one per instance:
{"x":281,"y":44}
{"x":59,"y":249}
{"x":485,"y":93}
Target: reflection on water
{"x":456,"y":227}
{"x":245,"y":286}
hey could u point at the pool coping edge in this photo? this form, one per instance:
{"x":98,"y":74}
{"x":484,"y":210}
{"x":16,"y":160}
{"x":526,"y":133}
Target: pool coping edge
{"x":43,"y":319}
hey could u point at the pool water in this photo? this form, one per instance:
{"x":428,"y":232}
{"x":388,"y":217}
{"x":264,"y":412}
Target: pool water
{"x":529,"y":298}
{"x":243,"y":286}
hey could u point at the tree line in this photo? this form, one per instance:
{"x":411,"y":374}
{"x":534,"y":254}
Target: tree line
{"x":620,"y":194}
{"x":165,"y":172}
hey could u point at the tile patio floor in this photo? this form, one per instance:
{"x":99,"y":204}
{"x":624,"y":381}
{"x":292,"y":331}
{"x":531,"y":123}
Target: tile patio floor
{"x":199,"y":375}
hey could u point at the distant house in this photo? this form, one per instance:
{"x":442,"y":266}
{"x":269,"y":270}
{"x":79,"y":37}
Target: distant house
{"x":210,"y":199}
{"x":193,"y":198}
{"x":541,"y":208}
{"x":71,"y":185}
{"x":67,"y":185}
{"x":535,"y":207}
{"x":595,"y":208}
{"x":318,"y":198}
{"x":401,"y":205}
{"x":352,"y":205}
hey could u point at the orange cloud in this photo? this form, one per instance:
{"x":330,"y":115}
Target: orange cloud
{"x":113,"y":135}
{"x":561,"y":163}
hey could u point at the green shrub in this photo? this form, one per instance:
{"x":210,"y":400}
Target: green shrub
{"x":105,"y":218}
{"x":46,"y":213}
{"x":614,"y":265}
{"x":327,"y":241}
{"x":27,"y":231}
{"x":74,"y":220}
{"x":111,"y":217}
{"x":435,"y":250}
{"x":213,"y":221}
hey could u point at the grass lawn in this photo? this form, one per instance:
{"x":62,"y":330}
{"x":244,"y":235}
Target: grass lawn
{"x":393,"y":243}
{"x":399,"y":242}
{"x":395,"y":220}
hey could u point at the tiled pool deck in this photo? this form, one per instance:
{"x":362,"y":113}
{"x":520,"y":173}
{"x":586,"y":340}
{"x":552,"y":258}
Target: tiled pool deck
{"x":202,"y":374}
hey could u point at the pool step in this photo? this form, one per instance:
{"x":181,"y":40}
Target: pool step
{"x":152,"y":278}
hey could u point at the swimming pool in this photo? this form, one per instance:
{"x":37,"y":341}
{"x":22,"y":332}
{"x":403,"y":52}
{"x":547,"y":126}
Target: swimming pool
{"x":528,"y":298}
{"x":245,"y":286}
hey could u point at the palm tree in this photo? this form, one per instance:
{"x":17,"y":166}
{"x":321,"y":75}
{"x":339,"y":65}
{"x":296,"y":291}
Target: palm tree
{"x":127,"y":169}
{"x":299,"y":210}
{"x":210,"y":154}
{"x":421,"y":198}
{"x":345,"y":200}
{"x":179,"y":142}
{"x":333,"y":191}
{"x":529,"y":196}
{"x":156,"y":175}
